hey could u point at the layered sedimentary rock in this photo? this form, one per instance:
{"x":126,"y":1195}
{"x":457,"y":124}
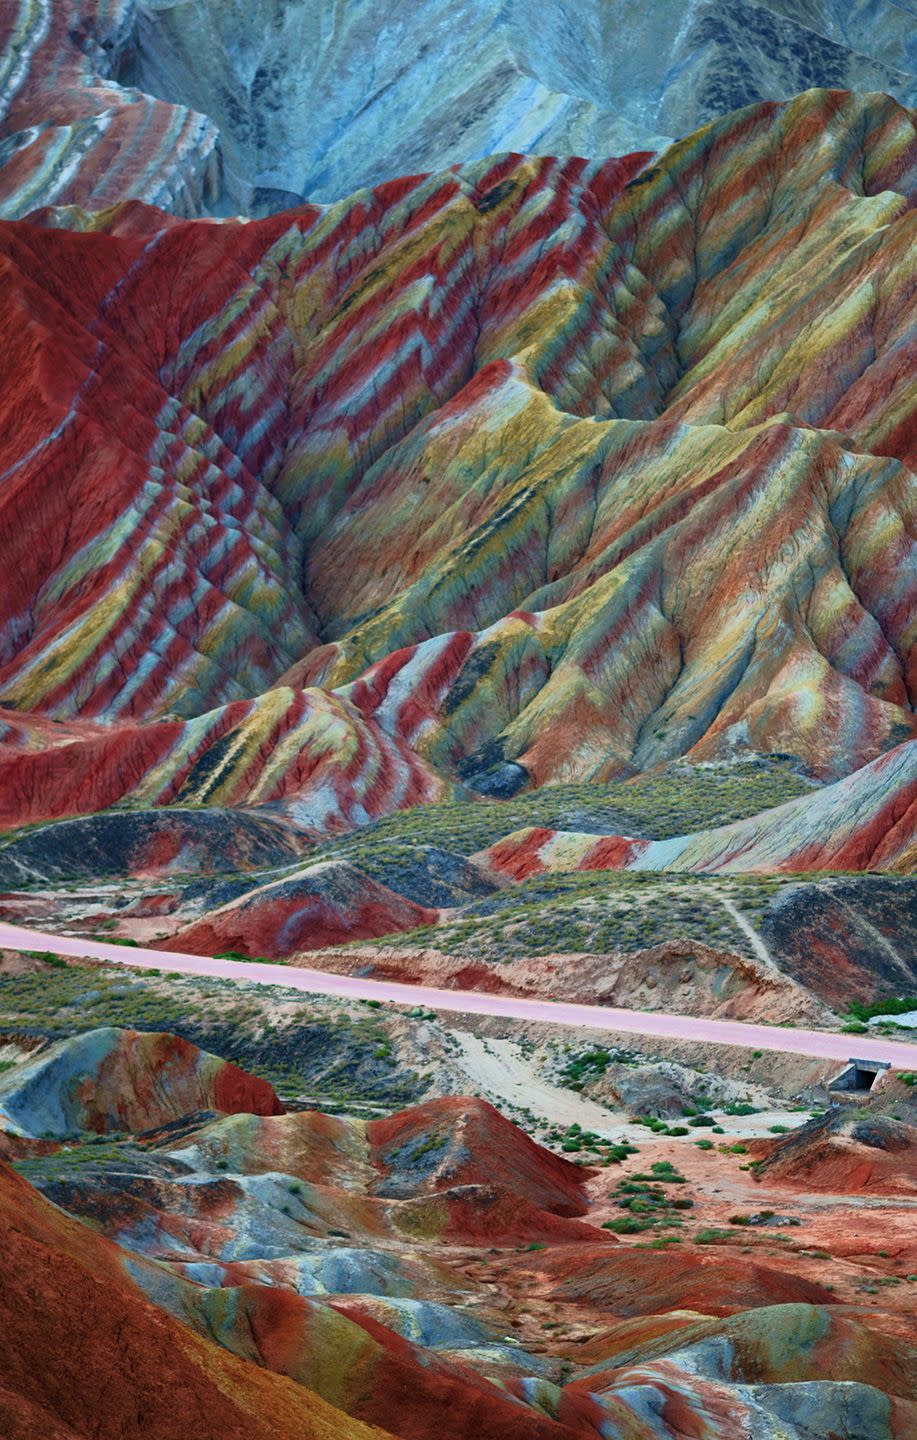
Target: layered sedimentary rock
{"x":846,"y":1152}
{"x":310,"y":753}
{"x":315,"y":100}
{"x":71,"y":135}
{"x":148,"y":843}
{"x":320,"y":1262}
{"x":867,"y":821}
{"x":524,"y":472}
{"x":323,"y":904}
{"x":110,"y":1079}
{"x":72,"y":1312}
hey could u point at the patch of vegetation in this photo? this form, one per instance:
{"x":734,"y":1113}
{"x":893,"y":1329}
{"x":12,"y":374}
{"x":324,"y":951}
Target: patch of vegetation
{"x":315,"y":1051}
{"x":576,"y":1141}
{"x":47,"y":958}
{"x":891,"y":1005}
{"x":591,"y":1064}
{"x":682,"y":799}
{"x":648,"y":1204}
{"x":88,"y":1153}
{"x":597,"y":912}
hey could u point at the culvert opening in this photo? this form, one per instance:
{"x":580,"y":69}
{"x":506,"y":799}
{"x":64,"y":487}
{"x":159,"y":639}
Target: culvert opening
{"x":859,"y":1076}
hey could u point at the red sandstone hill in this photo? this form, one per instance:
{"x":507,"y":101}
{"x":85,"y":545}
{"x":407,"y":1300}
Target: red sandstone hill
{"x":324,"y":904}
{"x":457,"y":1141}
{"x":849,"y":1152}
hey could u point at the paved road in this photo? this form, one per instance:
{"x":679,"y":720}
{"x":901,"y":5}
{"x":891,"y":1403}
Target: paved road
{"x":817,"y":1043}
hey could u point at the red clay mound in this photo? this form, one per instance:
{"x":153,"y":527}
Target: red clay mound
{"x":324,"y":904}
{"x":70,"y":1319}
{"x":465,"y":1141}
{"x":491,"y":1215}
{"x":846,"y":1156}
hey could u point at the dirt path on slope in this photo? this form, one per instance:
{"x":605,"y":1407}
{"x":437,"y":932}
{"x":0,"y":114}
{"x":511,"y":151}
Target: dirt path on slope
{"x":500,"y":1070}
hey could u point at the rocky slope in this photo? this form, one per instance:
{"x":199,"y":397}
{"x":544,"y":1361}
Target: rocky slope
{"x":866,"y":822}
{"x":113,"y":1080}
{"x":331,"y":1274}
{"x":604,"y":396}
{"x":72,"y":1314}
{"x":147,"y":843}
{"x":261,"y":106}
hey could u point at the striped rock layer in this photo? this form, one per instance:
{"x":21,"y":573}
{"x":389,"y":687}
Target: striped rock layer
{"x":867,"y":821}
{"x":71,"y":135}
{"x":529,"y":471}
{"x":111,"y":1079}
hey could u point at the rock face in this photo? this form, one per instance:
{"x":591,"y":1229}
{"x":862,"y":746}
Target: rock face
{"x":71,"y":135}
{"x":523,"y":472}
{"x":311,"y":99}
{"x":324,"y":904}
{"x":111,"y":1079}
{"x":867,"y":821}
{"x":148,"y":843}
{"x":463,"y":1142}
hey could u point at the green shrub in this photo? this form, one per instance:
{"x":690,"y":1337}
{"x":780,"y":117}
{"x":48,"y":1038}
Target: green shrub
{"x":891,"y":1005}
{"x":628,"y":1225}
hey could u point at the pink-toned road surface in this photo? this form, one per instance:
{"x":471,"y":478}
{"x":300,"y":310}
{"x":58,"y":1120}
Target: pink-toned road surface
{"x":821,"y":1044}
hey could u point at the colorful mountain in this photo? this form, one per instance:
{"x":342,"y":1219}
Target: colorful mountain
{"x":525,"y":472}
{"x":867,"y":821}
{"x":414,"y":529}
